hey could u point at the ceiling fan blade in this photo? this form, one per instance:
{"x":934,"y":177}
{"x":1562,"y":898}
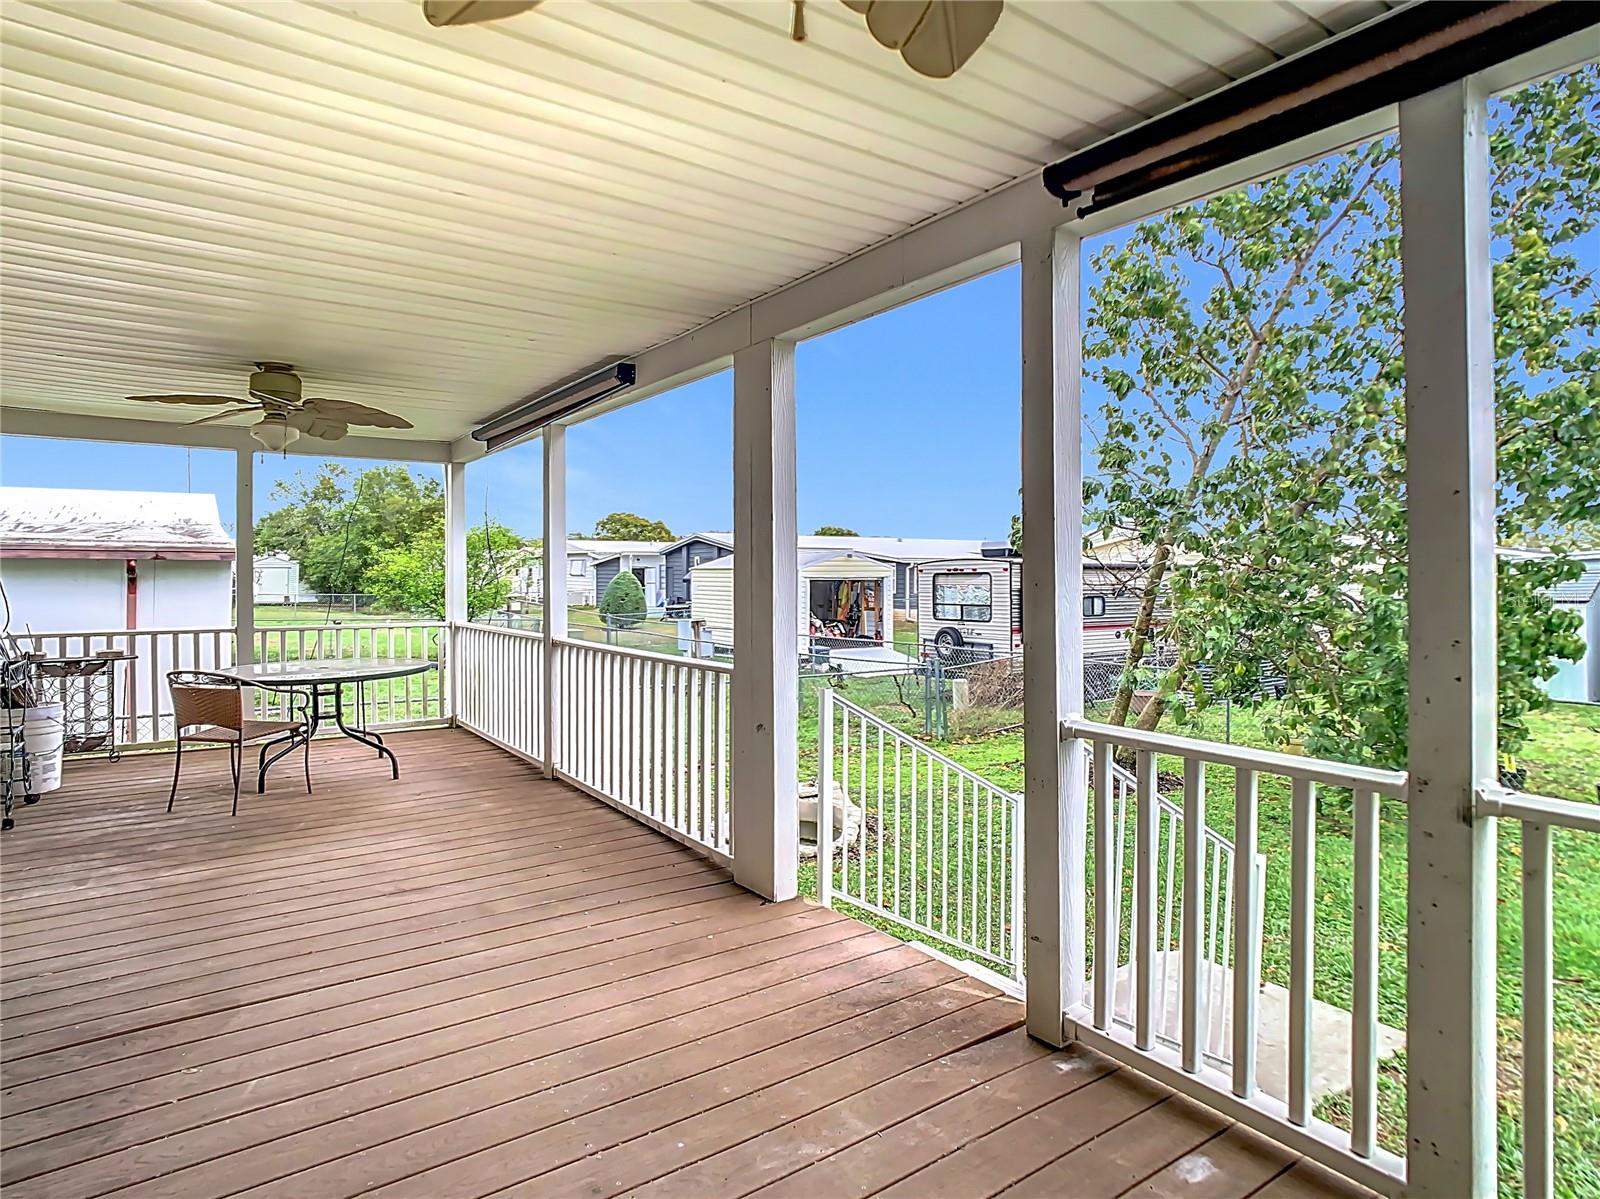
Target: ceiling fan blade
{"x":314,"y":423}
{"x":187,"y":399}
{"x":355,"y":414}
{"x":949,"y":35}
{"x":472,"y":12}
{"x":934,"y":37}
{"x":206,"y":420}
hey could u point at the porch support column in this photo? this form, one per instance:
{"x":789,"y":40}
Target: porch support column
{"x":244,"y":556}
{"x":1055,"y":798}
{"x":455,"y":569}
{"x":1450,"y":473}
{"x":766,"y":647}
{"x":553,"y":453}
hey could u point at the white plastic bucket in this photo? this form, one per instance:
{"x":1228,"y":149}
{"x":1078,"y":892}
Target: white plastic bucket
{"x":43,"y":734}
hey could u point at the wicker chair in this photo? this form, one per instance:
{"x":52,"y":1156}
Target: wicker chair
{"x":209,"y":709}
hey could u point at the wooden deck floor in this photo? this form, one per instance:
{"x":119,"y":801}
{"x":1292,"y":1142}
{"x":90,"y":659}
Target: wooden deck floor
{"x":474,"y":981}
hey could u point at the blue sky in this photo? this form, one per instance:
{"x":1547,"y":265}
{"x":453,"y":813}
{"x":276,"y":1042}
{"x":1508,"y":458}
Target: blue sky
{"x":907,"y":426}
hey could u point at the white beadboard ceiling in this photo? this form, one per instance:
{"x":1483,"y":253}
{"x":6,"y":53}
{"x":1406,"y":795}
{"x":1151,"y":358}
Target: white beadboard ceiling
{"x":438,"y":222}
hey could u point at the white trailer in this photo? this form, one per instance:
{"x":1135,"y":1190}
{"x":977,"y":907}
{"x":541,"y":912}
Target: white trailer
{"x":971,"y":608}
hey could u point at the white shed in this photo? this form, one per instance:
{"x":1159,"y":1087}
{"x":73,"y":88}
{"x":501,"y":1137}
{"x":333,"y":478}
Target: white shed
{"x":75,"y":559}
{"x":1579,"y":681}
{"x":277,"y":579}
{"x":845,"y":598}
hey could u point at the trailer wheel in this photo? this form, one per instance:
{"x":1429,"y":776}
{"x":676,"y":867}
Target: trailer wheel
{"x":947,"y":645}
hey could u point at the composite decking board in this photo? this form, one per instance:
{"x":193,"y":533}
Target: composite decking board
{"x":447,"y":961}
{"x":645,"y":864}
{"x":569,"y":1157}
{"x":1122,"y":1157}
{"x":211,"y":918}
{"x":1307,"y":1180}
{"x":398,"y":1133}
{"x":151,"y":1142}
{"x":987,"y":1164}
{"x":119,"y":1090}
{"x":647,"y":867}
{"x":892,"y":1153}
{"x":202,"y":975}
{"x":239,"y":989}
{"x":1231,"y":1166}
{"x":477,"y":976}
{"x":301,"y":1014}
{"x":769,"y":1155}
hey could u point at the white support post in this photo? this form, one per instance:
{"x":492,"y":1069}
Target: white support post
{"x":1450,"y":473}
{"x":1055,"y":807}
{"x":455,"y":574}
{"x":766,"y":646}
{"x":554,"y":583}
{"x":244,"y":560}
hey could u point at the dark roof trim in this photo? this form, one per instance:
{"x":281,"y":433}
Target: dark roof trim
{"x":1393,"y":58}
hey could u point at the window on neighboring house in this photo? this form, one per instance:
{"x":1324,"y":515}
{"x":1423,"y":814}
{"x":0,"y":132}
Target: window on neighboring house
{"x":961,"y":597}
{"x":575,"y":568}
{"x":699,"y":558}
{"x":1094,"y":605}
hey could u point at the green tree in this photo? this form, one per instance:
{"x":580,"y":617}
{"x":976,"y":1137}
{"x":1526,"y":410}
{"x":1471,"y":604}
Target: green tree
{"x":1254,"y":437}
{"x":336,"y":523}
{"x":410,"y":578}
{"x":835,"y":531}
{"x":626,"y":526}
{"x":623,"y":603}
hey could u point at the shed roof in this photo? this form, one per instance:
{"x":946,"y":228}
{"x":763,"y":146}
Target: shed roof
{"x":1583,"y":588}
{"x":872,"y":565}
{"x":72,"y":522}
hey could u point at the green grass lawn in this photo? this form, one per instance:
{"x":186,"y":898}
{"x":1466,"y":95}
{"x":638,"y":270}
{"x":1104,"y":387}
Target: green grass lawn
{"x":1563,"y":760}
{"x":304,"y":633}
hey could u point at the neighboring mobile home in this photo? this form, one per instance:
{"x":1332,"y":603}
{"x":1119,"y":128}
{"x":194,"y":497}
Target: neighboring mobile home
{"x":905,"y":554}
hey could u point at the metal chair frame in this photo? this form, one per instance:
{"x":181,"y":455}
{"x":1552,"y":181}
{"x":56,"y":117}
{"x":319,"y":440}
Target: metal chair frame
{"x":200,"y":699}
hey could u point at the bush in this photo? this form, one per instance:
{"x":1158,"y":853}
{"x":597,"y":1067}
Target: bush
{"x":623,"y":603}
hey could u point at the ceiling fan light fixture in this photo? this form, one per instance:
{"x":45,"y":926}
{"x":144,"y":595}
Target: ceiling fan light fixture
{"x":275,"y":433}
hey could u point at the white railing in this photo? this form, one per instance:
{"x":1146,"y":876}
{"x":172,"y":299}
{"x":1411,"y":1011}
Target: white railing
{"x":384,"y":703}
{"x":922,"y":841}
{"x":1540,"y":816}
{"x":1217,"y":892}
{"x":498,"y":679}
{"x":648,"y":733}
{"x":1186,"y":1065}
{"x":144,"y":713}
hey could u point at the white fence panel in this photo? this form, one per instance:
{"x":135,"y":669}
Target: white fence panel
{"x":499,"y":686}
{"x":915,"y":838}
{"x":648,"y":733}
{"x":144,"y":712}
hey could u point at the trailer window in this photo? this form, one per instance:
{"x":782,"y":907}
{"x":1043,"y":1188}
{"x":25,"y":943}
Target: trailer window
{"x":961,"y":597}
{"x":1094,"y":605}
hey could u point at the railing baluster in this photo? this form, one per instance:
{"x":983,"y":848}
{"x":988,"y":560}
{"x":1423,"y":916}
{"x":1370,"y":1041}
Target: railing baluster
{"x":825,"y":797}
{"x":1246,"y":949}
{"x":1302,"y":933}
{"x":1364,"y":980}
{"x":1194,"y":831}
{"x":879,"y":818}
{"x":1105,"y":953}
{"x":1147,"y":853}
{"x":1538,"y":1013}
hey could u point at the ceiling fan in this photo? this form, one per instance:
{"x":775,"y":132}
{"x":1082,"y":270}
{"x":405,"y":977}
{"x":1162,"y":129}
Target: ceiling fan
{"x":275,"y":393}
{"x":935,"y":37}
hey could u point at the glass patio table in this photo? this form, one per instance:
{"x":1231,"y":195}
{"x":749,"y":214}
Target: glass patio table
{"x":323,"y":683}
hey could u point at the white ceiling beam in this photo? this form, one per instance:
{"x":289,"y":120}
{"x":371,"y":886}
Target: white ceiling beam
{"x":33,"y":422}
